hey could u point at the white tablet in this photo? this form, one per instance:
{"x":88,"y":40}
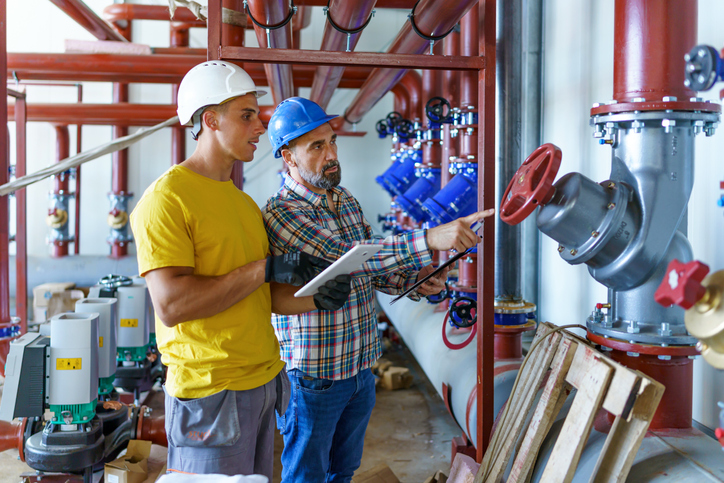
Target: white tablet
{"x":347,"y":263}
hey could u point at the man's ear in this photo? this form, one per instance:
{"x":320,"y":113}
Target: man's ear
{"x":288,"y":157}
{"x":210,"y":119}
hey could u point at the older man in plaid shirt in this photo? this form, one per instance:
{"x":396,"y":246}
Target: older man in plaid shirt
{"x":329,"y":353}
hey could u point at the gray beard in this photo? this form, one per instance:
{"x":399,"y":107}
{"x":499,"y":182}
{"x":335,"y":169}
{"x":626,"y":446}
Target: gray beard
{"x":321,"y":180}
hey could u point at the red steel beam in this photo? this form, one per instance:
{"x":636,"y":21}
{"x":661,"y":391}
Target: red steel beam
{"x":152,"y":69}
{"x":349,"y":16}
{"x":390,"y":61}
{"x":4,"y":165}
{"x":451,"y":92}
{"x":486,"y":199}
{"x":403,"y":4}
{"x":87,"y":18}
{"x":21,"y":232}
{"x":179,"y":37}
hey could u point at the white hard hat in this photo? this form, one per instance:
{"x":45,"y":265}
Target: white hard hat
{"x":210,"y":84}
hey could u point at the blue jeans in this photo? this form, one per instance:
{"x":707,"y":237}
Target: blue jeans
{"x":324,"y":427}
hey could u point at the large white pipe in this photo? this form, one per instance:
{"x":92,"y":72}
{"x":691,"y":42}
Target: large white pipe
{"x":421,"y":329}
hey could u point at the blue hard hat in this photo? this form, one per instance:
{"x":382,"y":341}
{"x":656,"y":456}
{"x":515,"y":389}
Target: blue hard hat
{"x":294,"y":117}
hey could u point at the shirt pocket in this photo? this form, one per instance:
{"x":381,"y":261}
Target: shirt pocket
{"x":210,"y":421}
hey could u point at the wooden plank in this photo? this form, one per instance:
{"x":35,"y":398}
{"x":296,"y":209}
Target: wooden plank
{"x":495,"y":462}
{"x":622,"y":392}
{"x":545,"y":412}
{"x":625,"y":437}
{"x":590,"y":374}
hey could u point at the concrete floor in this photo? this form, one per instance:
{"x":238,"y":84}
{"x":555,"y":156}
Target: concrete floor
{"x":410,"y":431}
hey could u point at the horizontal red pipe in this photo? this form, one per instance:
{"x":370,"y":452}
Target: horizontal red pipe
{"x":117,"y":12}
{"x":121,"y":114}
{"x":152,"y":69}
{"x":87,"y":18}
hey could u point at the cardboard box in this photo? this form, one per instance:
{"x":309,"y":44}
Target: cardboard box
{"x":379,"y":474}
{"x":62,"y":302}
{"x":42,"y":295}
{"x":396,"y":378}
{"x":132,"y":467}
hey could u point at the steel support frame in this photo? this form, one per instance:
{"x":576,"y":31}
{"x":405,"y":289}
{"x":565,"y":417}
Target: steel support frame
{"x":486,"y":155}
{"x":21,"y":233}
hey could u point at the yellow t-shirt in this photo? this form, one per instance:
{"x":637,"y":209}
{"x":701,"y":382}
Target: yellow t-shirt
{"x":185,"y":219}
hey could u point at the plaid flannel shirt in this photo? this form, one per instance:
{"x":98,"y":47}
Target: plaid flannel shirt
{"x":337,"y":344}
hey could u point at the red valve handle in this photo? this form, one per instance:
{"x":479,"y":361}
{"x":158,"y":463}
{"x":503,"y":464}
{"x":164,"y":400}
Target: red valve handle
{"x":532,"y":184}
{"x":682,"y":284}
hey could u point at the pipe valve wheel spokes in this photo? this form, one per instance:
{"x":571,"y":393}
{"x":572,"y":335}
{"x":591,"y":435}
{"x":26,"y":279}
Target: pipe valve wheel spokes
{"x":532,"y":184}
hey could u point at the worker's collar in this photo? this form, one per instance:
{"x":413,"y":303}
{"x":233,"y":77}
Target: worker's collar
{"x":307,"y":194}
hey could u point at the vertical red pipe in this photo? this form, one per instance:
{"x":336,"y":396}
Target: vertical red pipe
{"x":21,"y":236}
{"x":179,"y":37}
{"x":486,"y":13}
{"x":119,"y":177}
{"x":78,"y":149}
{"x":451,"y":92}
{"x":412,"y":81}
{"x":651,"y":38}
{"x":61,"y":181}
{"x":4,"y":166}
{"x":432,"y":87}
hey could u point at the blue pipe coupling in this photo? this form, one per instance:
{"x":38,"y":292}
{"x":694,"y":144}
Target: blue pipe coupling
{"x":458,"y":198}
{"x":426,"y":186}
{"x":401,"y":175}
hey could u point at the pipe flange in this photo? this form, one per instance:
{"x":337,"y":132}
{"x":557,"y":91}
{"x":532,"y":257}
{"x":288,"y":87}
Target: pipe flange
{"x":642,"y":348}
{"x":612,"y":225}
{"x":642,"y":333}
{"x":514,"y":307}
{"x":660,"y":105}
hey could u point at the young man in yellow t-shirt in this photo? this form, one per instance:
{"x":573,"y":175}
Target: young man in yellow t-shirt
{"x":204,"y":253}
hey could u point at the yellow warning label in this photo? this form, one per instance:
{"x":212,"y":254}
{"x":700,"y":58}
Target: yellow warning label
{"x":129,"y":322}
{"x":68,"y":364}
{"x":100,"y":341}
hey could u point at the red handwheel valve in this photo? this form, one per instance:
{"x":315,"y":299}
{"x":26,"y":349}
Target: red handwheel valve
{"x":682,"y":284}
{"x":532,"y":185}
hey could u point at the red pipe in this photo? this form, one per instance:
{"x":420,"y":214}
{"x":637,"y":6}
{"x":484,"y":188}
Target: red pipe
{"x":87,"y":18}
{"x":402,"y":100}
{"x":273,"y":12}
{"x":123,"y":114}
{"x":674,"y":411}
{"x":403,"y":4}
{"x":412,"y":81}
{"x":451,"y":92}
{"x":125,"y":12}
{"x":431,"y":87}
{"x":349,"y":16}
{"x":21,"y":232}
{"x":156,"y":68}
{"x":431,"y":18}
{"x":78,"y":149}
{"x":179,"y":37}
{"x":60,"y":181}
{"x":508,"y":345}
{"x":119,"y":169}
{"x":151,"y":428}
{"x":11,"y":434}
{"x":651,"y":38}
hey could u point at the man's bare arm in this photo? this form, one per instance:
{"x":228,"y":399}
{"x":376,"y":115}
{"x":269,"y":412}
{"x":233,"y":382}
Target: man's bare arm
{"x":285,"y":303}
{"x":179,"y":296}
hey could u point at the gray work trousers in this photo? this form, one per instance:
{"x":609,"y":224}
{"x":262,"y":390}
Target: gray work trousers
{"x":229,"y":433}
